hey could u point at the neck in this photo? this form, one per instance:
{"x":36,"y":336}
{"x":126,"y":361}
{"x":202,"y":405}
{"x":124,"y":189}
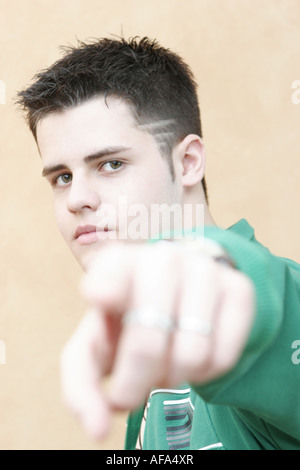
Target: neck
{"x":196,"y":196}
{"x":208,"y":219}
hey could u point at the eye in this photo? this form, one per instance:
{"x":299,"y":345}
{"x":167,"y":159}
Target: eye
{"x":62,"y":180}
{"x":111,"y":166}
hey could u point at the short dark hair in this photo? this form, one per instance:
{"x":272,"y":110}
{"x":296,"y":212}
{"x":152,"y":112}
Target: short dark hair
{"x":156,"y":82}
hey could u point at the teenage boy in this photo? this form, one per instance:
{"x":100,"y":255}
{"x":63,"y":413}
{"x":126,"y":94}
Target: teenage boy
{"x":197,"y":333}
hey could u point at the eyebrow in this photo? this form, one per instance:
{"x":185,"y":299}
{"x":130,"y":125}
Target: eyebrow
{"x":48,"y":170}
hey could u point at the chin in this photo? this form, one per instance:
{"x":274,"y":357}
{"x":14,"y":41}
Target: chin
{"x":86,"y":255}
{"x":86,"y":260}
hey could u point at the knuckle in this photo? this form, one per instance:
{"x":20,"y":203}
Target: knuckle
{"x":164,"y":254}
{"x":242,"y":286}
{"x":245,"y":284}
{"x":210,"y":269}
{"x":246,"y":293}
{"x":202,"y":267}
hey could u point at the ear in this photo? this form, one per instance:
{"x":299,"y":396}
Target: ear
{"x":192,"y":155}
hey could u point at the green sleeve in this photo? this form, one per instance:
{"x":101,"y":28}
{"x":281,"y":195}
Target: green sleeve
{"x":263,"y":386}
{"x":257,"y":263}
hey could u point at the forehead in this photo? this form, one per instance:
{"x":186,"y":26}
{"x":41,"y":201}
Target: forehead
{"x":82,"y":128}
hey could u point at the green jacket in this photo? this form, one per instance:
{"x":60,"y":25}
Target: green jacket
{"x":257,"y":404}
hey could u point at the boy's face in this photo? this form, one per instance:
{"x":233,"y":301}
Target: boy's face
{"x":100,"y":164}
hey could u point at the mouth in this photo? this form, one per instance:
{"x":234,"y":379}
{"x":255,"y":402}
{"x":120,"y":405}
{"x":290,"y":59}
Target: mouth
{"x":86,"y":234}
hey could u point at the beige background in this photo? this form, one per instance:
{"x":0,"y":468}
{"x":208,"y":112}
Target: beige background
{"x":245,"y":55}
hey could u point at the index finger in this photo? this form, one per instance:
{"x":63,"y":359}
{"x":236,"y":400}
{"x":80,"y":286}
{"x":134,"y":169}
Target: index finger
{"x":84,"y":361}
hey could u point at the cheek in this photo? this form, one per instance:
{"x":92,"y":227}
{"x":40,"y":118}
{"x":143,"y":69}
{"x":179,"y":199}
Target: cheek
{"x":60,"y":218}
{"x":160,"y":191}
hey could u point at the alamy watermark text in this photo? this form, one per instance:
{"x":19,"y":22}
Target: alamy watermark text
{"x":296,"y":354}
{"x":296,"y":94}
{"x":2,"y":352}
{"x":2,"y":92}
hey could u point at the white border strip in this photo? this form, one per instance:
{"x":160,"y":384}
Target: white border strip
{"x":212,"y":446}
{"x":176,"y":402}
{"x":170,"y":390}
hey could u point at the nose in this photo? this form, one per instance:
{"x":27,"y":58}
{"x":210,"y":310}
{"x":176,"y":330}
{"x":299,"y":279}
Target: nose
{"x":82,"y":195}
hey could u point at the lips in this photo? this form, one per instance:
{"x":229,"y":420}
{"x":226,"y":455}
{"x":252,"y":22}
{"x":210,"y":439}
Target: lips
{"x":86,"y":234}
{"x":82,"y":230}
